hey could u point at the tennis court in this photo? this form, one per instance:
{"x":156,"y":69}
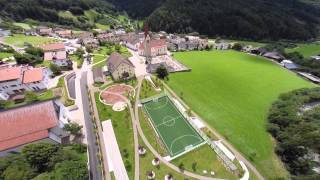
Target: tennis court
{"x":174,"y":130}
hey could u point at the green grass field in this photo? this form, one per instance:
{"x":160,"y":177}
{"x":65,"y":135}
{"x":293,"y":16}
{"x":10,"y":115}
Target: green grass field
{"x":19,"y":40}
{"x":5,"y":55}
{"x":307,"y":50}
{"x":174,"y":130}
{"x":23,"y":25}
{"x":233,"y":91}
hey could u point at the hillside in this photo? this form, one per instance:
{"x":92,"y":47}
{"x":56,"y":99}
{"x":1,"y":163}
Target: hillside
{"x":252,"y":19}
{"x":83,"y":14}
{"x":249,"y":19}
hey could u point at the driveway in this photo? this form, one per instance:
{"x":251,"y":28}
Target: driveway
{"x":71,"y":85}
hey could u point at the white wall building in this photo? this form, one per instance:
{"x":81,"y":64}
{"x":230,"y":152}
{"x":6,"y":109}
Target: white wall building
{"x":15,"y":80}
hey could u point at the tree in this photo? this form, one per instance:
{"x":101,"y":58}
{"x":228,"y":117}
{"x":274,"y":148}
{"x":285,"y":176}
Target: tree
{"x":71,"y":170}
{"x":237,"y":47}
{"x":117,"y":48}
{"x":19,"y":170}
{"x":73,"y":128}
{"x":31,"y":97}
{"x":56,"y":70}
{"x":39,"y":155}
{"x":34,"y":51}
{"x":162,"y":72}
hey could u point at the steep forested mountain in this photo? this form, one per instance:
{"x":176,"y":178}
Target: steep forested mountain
{"x":137,"y":8}
{"x":254,"y":19}
{"x":251,"y":19}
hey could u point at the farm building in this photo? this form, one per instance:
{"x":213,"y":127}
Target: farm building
{"x":38,"y":122}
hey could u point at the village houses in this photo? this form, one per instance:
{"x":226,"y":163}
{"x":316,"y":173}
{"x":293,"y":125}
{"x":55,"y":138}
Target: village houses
{"x":18,"y":79}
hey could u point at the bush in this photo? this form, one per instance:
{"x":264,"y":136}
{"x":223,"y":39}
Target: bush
{"x":56,"y":70}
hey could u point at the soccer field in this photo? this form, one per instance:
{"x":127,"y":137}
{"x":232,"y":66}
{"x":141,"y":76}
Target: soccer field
{"x":233,"y":92}
{"x":175,"y":132}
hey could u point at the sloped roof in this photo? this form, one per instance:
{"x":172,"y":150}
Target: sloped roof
{"x":53,"y":47}
{"x":32,"y":75}
{"x":155,"y":43}
{"x":10,"y":73}
{"x":26,"y":124}
{"x":115,"y":60}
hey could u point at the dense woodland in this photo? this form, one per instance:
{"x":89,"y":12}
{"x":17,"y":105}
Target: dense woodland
{"x":46,"y":161}
{"x":245,"y":19}
{"x":252,"y":19}
{"x":297,"y":130}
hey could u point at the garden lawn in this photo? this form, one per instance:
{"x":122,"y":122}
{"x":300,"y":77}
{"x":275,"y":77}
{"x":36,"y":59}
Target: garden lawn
{"x":233,"y":91}
{"x":5,"y":55}
{"x":23,"y":25}
{"x":307,"y":50}
{"x":19,"y":40}
{"x":122,"y":125}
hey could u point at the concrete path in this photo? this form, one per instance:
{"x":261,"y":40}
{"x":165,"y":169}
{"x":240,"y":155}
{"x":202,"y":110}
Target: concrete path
{"x":154,"y":152}
{"x":139,"y":64}
{"x":238,"y":155}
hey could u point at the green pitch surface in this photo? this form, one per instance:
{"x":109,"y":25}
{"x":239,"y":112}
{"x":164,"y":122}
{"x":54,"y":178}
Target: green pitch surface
{"x":233,"y":92}
{"x":174,"y":130}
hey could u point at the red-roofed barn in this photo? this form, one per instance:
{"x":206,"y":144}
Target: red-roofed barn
{"x":33,"y":123}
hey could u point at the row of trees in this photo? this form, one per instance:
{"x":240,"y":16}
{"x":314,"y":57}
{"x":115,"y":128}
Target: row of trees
{"x":45,"y":161}
{"x":296,"y":130}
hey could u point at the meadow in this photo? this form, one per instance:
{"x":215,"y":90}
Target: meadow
{"x":233,"y":92}
{"x":19,"y":40}
{"x":307,"y":50}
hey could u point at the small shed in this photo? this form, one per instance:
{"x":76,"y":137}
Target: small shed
{"x":289,"y":64}
{"x":98,"y":76}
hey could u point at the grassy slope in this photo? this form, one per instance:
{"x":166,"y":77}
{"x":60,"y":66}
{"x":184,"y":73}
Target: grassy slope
{"x":23,"y":25}
{"x":19,"y":40}
{"x":122,"y":125}
{"x":306,"y":50}
{"x":5,"y":55}
{"x":233,"y":92}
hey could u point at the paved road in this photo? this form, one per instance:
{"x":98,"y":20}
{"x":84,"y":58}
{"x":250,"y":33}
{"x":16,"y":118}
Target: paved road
{"x":71,"y":85}
{"x":95,"y":173}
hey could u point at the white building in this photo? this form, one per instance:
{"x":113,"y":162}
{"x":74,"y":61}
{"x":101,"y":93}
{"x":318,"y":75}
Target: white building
{"x":56,"y":53}
{"x":15,"y":80}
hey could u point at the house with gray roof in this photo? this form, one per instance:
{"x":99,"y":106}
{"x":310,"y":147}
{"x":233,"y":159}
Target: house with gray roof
{"x":120,"y":67}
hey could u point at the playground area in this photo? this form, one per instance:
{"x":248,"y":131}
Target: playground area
{"x":115,"y":94}
{"x":176,"y":133}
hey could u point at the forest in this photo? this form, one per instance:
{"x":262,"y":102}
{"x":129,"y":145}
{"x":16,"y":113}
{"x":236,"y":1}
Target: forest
{"x":294,"y":121}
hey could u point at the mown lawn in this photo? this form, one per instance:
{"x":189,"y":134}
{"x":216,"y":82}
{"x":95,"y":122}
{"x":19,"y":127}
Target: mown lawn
{"x":19,"y":40}
{"x":5,"y":55}
{"x":161,"y":171}
{"x":233,"y":91}
{"x":307,"y":50}
{"x":23,"y":25}
{"x":122,"y":126}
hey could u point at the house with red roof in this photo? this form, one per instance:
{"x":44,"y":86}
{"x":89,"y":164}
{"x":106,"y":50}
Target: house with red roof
{"x":18,"y":79}
{"x":153,"y":47}
{"x":38,"y":122}
{"x":56,"y":53}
